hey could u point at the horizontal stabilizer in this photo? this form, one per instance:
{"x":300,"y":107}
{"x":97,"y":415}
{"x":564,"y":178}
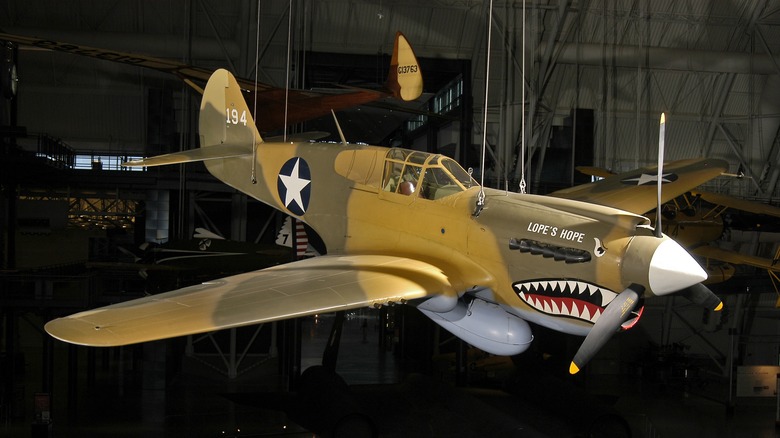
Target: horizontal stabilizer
{"x":202,"y":233}
{"x":189,"y":156}
{"x":298,"y":138}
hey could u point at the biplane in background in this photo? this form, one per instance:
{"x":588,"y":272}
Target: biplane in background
{"x":696,"y":219}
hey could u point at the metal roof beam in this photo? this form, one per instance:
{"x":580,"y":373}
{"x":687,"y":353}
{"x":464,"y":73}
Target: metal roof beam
{"x":666,"y":58}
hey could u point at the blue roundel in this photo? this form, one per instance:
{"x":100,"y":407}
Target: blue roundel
{"x":294,"y":185}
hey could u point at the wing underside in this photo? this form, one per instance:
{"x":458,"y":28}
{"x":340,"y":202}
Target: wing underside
{"x":736,"y":258}
{"x":307,"y":287}
{"x":738,"y":204}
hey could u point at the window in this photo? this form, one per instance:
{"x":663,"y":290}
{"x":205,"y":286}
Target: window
{"x":448,"y":99}
{"x":426,"y":175}
{"x":438,"y":184}
{"x":445,"y":101}
{"x":104,"y":162}
{"x":461,"y":175}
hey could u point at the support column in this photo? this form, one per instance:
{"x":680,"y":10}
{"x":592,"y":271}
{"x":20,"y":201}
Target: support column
{"x":10,"y":227}
{"x":9,"y":367}
{"x":736,"y":320}
{"x":667,"y":327}
{"x":91,"y":366}
{"x":238,"y":217}
{"x":232,"y":364}
{"x":432,"y":139}
{"x":290,"y":362}
{"x":73,"y":379}
{"x":461,"y":364}
{"x":47,"y":369}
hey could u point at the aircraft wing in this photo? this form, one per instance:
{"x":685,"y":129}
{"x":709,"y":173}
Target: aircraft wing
{"x":636,"y":191}
{"x":595,"y":171}
{"x":739,"y":204}
{"x":736,"y":258}
{"x":302,"y":105}
{"x":183,"y":71}
{"x":131,"y":266}
{"x":306,"y":287}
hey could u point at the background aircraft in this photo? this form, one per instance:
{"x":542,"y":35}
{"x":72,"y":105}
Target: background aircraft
{"x":404,"y":226}
{"x":204,"y":257}
{"x":695,"y":219}
{"x":279,"y":107}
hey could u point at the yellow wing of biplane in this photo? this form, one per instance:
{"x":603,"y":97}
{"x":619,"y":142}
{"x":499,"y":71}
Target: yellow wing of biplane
{"x":636,"y":191}
{"x":595,"y":171}
{"x":720,"y":203}
{"x":724,"y":201}
{"x":404,"y":82}
{"x":736,"y":258}
{"x":307,"y":287}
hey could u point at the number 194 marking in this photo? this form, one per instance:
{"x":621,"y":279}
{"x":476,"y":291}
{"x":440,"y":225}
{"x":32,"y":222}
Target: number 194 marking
{"x":234,"y":118}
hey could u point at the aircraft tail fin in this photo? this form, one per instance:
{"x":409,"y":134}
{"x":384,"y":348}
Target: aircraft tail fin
{"x":227,"y":128}
{"x":225,"y":117}
{"x":404,"y":79}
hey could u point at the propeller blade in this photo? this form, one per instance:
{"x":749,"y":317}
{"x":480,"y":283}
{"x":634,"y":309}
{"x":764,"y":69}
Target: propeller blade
{"x":608,"y":323}
{"x":703,"y":296}
{"x":661,"y":140}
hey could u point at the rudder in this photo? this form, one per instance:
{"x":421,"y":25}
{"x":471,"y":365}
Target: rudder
{"x":227,"y":129}
{"x":404,"y":78}
{"x":225,"y":117}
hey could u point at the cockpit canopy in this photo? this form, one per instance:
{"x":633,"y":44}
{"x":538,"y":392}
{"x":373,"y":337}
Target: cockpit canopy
{"x":427,"y":176}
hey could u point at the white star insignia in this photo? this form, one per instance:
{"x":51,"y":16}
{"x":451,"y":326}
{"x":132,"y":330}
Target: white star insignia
{"x":294,"y":184}
{"x":648,"y":178}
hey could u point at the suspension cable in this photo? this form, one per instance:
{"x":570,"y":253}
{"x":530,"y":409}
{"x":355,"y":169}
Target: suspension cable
{"x":287,"y":77}
{"x":254,"y":97}
{"x":522,"y":115}
{"x":481,"y":196}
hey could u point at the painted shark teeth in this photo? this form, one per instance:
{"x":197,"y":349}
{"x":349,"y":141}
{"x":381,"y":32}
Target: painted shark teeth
{"x":567,"y":298}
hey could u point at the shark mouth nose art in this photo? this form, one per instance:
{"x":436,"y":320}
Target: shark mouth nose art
{"x":568,"y":298}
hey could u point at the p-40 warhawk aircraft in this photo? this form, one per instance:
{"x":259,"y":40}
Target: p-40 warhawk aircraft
{"x":401,"y":226}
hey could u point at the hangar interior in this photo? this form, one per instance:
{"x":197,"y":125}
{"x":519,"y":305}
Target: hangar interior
{"x":548,"y":86}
